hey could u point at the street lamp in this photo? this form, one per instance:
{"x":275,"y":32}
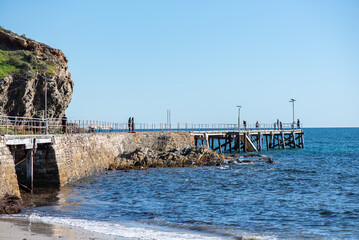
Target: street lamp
{"x":292,"y":101}
{"x":45,"y":115}
{"x":168,"y":119}
{"x":239,"y":118}
{"x":239,"y":128}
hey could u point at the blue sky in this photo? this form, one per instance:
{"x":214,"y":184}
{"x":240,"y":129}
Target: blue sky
{"x":202,"y":58}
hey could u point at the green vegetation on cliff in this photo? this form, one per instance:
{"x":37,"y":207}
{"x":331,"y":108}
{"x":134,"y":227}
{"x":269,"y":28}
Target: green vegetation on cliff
{"x":14,"y":61}
{"x":6,"y":67}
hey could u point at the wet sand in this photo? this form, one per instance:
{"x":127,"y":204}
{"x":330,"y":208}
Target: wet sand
{"x":20,"y":228}
{"x":14,"y":229}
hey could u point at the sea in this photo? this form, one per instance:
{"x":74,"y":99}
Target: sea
{"x":310,"y":193}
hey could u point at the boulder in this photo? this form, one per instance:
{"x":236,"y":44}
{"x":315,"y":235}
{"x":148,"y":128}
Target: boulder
{"x":10,"y":204}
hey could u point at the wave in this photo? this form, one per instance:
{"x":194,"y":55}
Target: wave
{"x":125,"y":230}
{"x":293,"y":170}
{"x":139,"y":230}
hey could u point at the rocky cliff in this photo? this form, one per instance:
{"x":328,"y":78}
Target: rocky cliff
{"x":24,"y":65}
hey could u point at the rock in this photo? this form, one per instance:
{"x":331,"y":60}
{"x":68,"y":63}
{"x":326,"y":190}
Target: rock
{"x":233,"y":161}
{"x":143,"y":158}
{"x":138,"y":159}
{"x":267,"y":160}
{"x":10,"y":204}
{"x":22,"y":87}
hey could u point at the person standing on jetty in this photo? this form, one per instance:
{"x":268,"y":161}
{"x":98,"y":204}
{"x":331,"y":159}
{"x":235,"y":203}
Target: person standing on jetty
{"x":133,"y":124}
{"x":298,"y":124}
{"x":245,"y":125}
{"x":129,"y":124}
{"x":64,"y":124}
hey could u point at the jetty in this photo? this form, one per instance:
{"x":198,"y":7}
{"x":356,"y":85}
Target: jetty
{"x":219,"y":137}
{"x":250,"y":140}
{"x":53,"y":152}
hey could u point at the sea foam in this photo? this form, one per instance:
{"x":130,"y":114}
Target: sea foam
{"x":126,"y":230}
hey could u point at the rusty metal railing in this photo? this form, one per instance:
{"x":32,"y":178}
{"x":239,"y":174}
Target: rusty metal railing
{"x":25,"y":125}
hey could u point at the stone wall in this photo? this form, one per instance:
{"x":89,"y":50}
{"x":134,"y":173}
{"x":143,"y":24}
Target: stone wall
{"x":8,"y":180}
{"x":72,"y":157}
{"x":83,"y":155}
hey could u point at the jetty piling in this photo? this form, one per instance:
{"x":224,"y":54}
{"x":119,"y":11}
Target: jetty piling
{"x":250,"y":140}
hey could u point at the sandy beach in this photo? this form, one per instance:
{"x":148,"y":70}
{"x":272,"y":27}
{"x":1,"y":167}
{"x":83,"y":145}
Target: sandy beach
{"x":20,"y":229}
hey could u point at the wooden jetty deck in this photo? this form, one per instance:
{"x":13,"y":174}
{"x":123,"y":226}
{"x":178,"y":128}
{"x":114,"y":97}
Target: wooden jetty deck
{"x":250,"y":140}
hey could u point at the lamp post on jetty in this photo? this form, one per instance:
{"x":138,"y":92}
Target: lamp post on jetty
{"x":45,"y":115}
{"x":239,"y":128}
{"x":169,"y":119}
{"x":292,"y":101}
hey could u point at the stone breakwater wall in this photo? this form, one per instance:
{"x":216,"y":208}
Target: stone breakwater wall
{"x":72,"y":157}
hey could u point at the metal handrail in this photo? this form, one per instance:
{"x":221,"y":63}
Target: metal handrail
{"x":26,"y":125}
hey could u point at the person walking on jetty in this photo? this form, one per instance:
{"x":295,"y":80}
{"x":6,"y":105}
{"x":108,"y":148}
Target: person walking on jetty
{"x":245,"y":125}
{"x":298,"y":124}
{"x":257,"y":124}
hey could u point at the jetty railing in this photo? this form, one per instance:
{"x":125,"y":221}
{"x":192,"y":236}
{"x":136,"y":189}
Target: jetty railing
{"x":28,"y":126}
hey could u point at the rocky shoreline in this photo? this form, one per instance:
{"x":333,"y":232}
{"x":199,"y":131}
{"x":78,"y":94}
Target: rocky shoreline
{"x":144,"y":158}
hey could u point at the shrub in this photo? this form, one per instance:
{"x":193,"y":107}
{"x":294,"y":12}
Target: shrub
{"x":42,"y":66}
{"x":6,"y":64}
{"x":14,"y":61}
{"x":31,"y":59}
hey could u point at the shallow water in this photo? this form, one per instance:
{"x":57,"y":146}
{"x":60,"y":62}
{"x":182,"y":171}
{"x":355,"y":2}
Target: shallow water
{"x":309,"y":193}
